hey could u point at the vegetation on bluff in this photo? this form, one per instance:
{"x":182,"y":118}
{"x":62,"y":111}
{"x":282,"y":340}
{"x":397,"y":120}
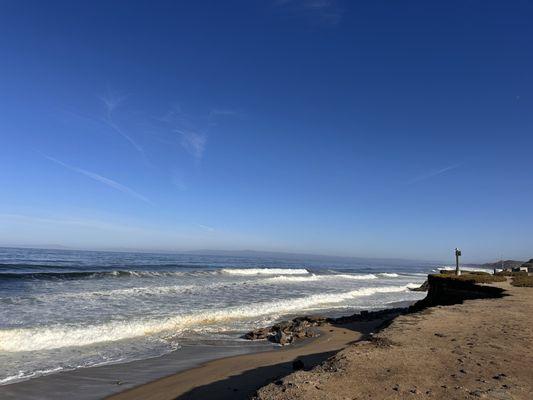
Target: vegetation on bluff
{"x":471,"y":276}
{"x":522,"y":280}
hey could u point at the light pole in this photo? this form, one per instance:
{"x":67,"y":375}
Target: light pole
{"x":457,"y":255}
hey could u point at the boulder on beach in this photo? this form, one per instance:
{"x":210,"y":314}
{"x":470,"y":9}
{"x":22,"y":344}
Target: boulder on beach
{"x":286,"y":332}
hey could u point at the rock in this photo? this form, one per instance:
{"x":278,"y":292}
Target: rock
{"x":284,"y":326}
{"x":281,"y":338}
{"x":312,"y":320}
{"x":257,"y":334}
{"x":297,"y":365}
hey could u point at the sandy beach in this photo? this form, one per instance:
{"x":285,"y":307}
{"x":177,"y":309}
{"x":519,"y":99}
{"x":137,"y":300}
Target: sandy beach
{"x":240,"y":376}
{"x":479,"y":349}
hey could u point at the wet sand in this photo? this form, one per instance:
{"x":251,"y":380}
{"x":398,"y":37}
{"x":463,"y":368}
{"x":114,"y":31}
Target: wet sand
{"x":97,"y":382}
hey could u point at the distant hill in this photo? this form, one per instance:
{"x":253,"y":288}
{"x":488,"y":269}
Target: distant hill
{"x":506,"y":264}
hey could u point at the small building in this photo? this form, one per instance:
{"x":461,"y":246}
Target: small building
{"x":525,"y":267}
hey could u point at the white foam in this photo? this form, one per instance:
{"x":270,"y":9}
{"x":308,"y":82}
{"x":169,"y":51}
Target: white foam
{"x":53,"y":337}
{"x":265,"y":271}
{"x":25,"y":375}
{"x":355,"y":277}
{"x":314,"y":278}
{"x":285,"y":279}
{"x":389,"y":275}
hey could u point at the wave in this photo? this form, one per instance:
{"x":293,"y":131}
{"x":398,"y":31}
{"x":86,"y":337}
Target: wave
{"x":314,"y":278}
{"x":25,"y":375}
{"x":53,"y":337}
{"x":284,"y":278}
{"x":389,"y":275}
{"x":264,"y":271}
{"x":355,"y":277}
{"x":82,"y":275}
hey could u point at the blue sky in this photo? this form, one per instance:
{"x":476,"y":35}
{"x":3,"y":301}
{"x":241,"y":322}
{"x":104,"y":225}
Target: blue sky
{"x":387,"y":129}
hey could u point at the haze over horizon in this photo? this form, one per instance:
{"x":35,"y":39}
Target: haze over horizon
{"x":322,"y":127}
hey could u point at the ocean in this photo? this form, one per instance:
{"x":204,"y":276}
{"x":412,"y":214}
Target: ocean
{"x":64,"y":310}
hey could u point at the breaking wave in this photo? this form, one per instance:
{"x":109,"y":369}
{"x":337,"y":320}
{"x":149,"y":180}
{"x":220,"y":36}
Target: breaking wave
{"x":389,"y":275}
{"x":265,"y":271}
{"x":58,"y":336}
{"x":313,"y":278}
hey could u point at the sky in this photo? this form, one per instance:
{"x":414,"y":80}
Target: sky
{"x":372,"y":129}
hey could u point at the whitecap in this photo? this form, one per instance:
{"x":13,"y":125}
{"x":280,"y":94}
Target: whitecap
{"x":58,"y":336}
{"x":265,"y":271}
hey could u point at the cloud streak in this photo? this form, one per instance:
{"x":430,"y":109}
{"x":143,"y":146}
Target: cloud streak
{"x":326,"y":11}
{"x":102,"y":179}
{"x":206,"y":228}
{"x":193,"y":141}
{"x":111,"y":103}
{"x":433,"y":173}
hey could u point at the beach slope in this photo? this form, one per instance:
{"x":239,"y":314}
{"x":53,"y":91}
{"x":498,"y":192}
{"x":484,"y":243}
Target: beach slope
{"x":479,"y":349}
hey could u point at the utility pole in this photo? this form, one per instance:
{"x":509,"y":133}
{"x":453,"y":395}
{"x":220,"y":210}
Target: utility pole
{"x":457,"y":255}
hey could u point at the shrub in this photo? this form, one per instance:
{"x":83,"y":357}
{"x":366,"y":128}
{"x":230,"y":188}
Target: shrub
{"x":471,"y":276}
{"x":522,"y":281}
{"x":511,"y":273}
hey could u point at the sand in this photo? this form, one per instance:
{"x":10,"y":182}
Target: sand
{"x":239,"y":377}
{"x":481,"y":349}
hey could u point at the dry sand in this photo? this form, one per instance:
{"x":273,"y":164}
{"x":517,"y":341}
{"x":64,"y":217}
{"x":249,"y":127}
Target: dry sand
{"x":481,"y":349}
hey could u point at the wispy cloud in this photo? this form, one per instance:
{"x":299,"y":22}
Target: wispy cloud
{"x":433,"y":173}
{"x":324,"y":11}
{"x":193,"y":141}
{"x":102,"y":179}
{"x":191,"y":132}
{"x":206,"y":228}
{"x":217,"y":112}
{"x":111,"y":102}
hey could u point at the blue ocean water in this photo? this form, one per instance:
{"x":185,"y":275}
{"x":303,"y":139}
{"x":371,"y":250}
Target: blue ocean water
{"x":62,"y":309}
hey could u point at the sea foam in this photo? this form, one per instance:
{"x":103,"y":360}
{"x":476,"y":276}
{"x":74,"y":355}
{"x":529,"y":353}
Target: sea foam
{"x":265,"y":271}
{"x":58,"y":336}
{"x":388,"y":275}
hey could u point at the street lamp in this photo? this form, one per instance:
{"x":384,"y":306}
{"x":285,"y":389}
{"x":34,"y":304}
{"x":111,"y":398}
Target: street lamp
{"x":457,"y":255}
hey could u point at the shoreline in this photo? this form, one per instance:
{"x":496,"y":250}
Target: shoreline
{"x":97,"y":382}
{"x":117,"y":379}
{"x":240,"y":376}
{"x":474,"y":347}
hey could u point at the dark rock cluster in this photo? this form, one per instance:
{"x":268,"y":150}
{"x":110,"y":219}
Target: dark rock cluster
{"x":286,"y":332}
